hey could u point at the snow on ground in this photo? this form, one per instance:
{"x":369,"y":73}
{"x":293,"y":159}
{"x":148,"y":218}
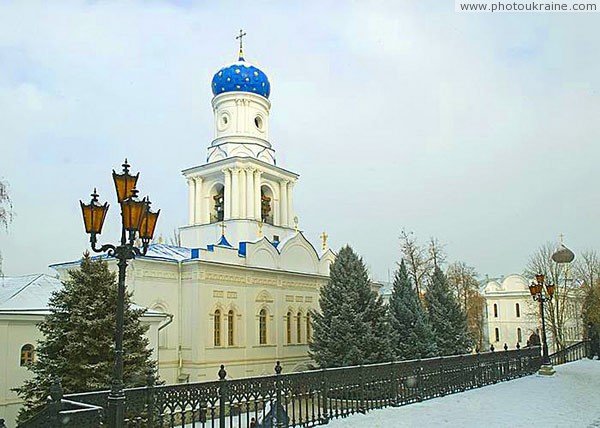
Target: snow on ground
{"x":571,"y":398}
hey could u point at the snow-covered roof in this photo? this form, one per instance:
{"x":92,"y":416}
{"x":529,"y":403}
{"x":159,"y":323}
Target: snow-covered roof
{"x":155,"y":251}
{"x":30,"y":294}
{"x":27,"y":292}
{"x":169,"y":252}
{"x":386,"y":288}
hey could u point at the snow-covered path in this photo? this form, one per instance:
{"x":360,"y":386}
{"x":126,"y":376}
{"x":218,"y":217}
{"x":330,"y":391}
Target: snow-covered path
{"x":571,"y":398}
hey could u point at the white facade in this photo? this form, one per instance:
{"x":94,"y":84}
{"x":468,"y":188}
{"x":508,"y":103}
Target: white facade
{"x":512,"y":315}
{"x":239,"y":178}
{"x":243,"y":283}
{"x":23,"y":304}
{"x":241,"y":288}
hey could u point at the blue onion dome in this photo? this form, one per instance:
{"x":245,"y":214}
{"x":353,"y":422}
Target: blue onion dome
{"x":241,"y":76}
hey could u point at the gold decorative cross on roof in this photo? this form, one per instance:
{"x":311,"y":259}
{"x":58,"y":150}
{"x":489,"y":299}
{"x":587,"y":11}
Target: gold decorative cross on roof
{"x":260,"y":224}
{"x":561,"y":237}
{"x":242,"y":34}
{"x":324,"y":237}
{"x":223,"y":226}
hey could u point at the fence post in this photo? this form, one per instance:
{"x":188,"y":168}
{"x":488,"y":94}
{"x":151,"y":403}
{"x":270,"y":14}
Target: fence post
{"x":441,"y":376}
{"x":278,"y":404}
{"x":519,"y":361}
{"x":395,"y":384}
{"x":150,"y":397}
{"x":55,"y":399}
{"x":506,"y":365}
{"x":222,"y":395}
{"x":324,"y":394}
{"x":419,"y":376}
{"x":361,"y":378}
{"x":478,"y":378}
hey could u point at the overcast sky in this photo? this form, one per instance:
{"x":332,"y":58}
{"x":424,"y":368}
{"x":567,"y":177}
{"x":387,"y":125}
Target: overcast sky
{"x":479,"y":129}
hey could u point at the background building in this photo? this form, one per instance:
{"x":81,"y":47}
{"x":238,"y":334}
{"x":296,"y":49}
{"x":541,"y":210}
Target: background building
{"x":512,"y":315}
{"x":23,"y":304}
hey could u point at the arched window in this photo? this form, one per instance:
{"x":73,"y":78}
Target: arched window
{"x":308,"y":328}
{"x":299,"y":328}
{"x":27,"y":354}
{"x":217,"y":328}
{"x":218,"y":197}
{"x":288,"y":328}
{"x":163,"y":338}
{"x":519,"y":335}
{"x":495,"y":310}
{"x":266,"y":205}
{"x":497,"y":331}
{"x":230,"y":328}
{"x":262,"y":327}
{"x":518,"y":311}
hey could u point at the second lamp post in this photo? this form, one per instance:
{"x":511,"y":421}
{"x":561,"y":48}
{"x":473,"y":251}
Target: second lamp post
{"x":536,"y":288}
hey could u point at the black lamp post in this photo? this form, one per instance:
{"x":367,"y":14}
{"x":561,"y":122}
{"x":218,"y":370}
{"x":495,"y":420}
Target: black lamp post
{"x":536,"y":288}
{"x":137,"y":221}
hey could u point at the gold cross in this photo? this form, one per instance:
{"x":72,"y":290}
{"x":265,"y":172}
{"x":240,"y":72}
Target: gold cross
{"x":296,"y":224}
{"x":222,"y":226}
{"x":260,"y":224}
{"x":560,"y":237}
{"x":324,"y":237}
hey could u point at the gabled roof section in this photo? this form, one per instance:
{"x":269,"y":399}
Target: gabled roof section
{"x":168,"y":252}
{"x":27,"y":292}
{"x":164,"y":252}
{"x":223,"y":242}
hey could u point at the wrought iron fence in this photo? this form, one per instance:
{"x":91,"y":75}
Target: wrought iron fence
{"x":574,"y":352}
{"x":295,"y":399}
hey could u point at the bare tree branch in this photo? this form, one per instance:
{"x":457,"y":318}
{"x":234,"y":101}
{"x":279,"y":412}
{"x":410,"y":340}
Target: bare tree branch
{"x":415,"y":257}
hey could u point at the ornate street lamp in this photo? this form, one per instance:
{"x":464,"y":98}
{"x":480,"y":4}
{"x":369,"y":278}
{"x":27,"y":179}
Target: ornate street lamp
{"x":137,"y":221}
{"x":536,"y":288}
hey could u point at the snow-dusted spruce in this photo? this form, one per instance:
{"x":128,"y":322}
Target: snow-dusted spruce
{"x":412,"y":336}
{"x":448,"y":320}
{"x":351,"y":327}
{"x":78,"y":342}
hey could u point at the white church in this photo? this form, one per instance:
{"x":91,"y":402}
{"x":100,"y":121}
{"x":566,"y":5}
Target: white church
{"x":240,"y":288}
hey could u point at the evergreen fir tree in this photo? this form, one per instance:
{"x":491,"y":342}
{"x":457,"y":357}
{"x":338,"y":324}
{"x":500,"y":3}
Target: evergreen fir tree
{"x":448,"y":320}
{"x":351,"y":327}
{"x":78,"y":343}
{"x":412,"y":336}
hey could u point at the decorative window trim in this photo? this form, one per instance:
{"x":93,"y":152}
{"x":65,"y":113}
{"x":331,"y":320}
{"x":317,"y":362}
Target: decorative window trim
{"x":217,"y":328}
{"x":263,"y":317}
{"x":231,"y":328}
{"x":27,"y":355}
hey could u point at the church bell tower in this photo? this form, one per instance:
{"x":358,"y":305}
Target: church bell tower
{"x":240,"y":193}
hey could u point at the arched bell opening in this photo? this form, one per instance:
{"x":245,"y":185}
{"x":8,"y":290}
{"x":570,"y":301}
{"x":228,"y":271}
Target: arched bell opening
{"x":217,"y":199}
{"x":266,"y":205}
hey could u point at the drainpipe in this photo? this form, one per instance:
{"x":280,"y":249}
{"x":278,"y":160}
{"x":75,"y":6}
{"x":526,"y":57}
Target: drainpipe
{"x":180,"y":374}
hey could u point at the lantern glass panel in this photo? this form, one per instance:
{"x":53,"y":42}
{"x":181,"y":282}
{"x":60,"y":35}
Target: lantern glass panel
{"x":132,"y":210}
{"x":93,"y":216}
{"x":124,"y":184}
{"x":148,"y":224}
